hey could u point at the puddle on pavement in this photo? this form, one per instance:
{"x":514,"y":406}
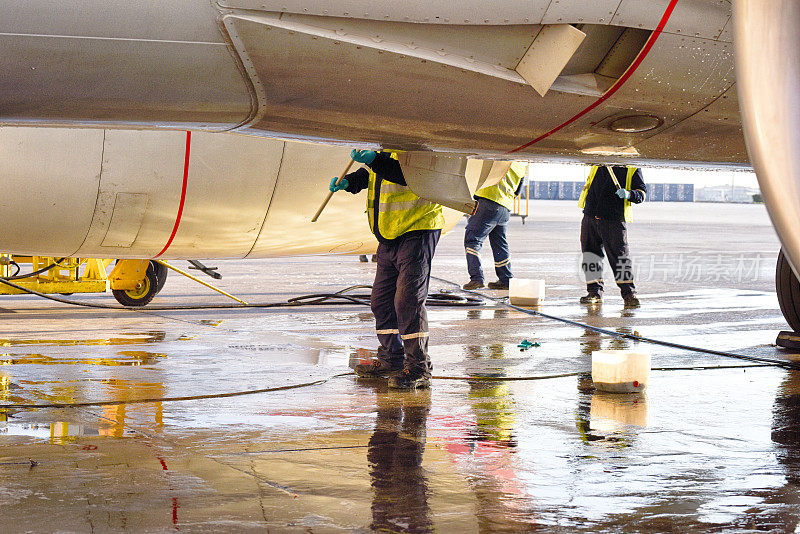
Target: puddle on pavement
{"x":129,"y":358}
{"x":611,"y":418}
{"x":62,"y":432}
{"x":112,"y":418}
{"x":134,"y":339}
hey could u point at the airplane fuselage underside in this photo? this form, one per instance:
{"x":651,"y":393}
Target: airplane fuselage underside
{"x":434,"y":75}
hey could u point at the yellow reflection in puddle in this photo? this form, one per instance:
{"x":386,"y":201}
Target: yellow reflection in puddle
{"x":135,"y":339}
{"x":112,"y":421}
{"x":62,"y":432}
{"x":131,"y":358}
{"x":125,"y":390}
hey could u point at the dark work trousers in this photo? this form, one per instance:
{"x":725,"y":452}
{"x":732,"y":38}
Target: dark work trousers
{"x":598,"y":235}
{"x":490,"y":219}
{"x":398,"y":299}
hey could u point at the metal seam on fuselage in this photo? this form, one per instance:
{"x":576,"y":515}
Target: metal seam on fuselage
{"x":97,"y":196}
{"x":614,"y":88}
{"x":269,"y":203}
{"x":183,"y":194}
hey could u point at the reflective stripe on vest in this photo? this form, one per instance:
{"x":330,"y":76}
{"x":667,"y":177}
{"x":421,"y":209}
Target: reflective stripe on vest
{"x":626,"y":211}
{"x":399,"y":210}
{"x":504,"y":191}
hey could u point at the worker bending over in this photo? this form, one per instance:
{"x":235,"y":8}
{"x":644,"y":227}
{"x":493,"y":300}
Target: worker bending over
{"x":408,"y":229}
{"x":490,"y":219}
{"x":606,"y":208}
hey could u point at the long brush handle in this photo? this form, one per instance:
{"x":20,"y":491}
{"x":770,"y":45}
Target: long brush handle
{"x":330,"y":193}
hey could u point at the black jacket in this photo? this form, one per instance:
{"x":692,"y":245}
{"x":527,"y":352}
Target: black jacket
{"x":384,"y":166}
{"x":602,"y":200}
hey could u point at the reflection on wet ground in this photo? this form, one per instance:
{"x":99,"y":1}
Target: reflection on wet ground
{"x":702,"y":450}
{"x":134,"y":339}
{"x":129,"y":357}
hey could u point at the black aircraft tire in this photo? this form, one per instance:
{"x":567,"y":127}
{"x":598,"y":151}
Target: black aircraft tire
{"x":161,"y":275}
{"x":788,"y":290}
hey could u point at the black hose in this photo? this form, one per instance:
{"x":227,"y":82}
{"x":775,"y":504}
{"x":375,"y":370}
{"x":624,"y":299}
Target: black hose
{"x":322,"y":298}
{"x":339,"y":297}
{"x":476,"y":378}
{"x":170,"y":399}
{"x":535,"y":313}
{"x":18,"y":276}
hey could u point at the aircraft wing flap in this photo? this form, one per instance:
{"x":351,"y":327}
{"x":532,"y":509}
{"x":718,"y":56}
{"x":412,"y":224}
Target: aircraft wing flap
{"x":439,"y":178}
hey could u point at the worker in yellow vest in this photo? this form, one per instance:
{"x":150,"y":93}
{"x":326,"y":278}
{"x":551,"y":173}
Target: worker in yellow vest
{"x":490,"y":219}
{"x":408,"y":229}
{"x":606,"y":208}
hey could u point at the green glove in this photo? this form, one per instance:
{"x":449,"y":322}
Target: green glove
{"x":342,"y":185}
{"x":363,"y":156}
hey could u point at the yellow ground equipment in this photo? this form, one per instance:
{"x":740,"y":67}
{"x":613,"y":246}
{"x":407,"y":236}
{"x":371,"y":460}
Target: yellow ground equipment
{"x":517,"y":211}
{"x":133,"y":282}
{"x":136,"y":282}
{"x":55,"y":275}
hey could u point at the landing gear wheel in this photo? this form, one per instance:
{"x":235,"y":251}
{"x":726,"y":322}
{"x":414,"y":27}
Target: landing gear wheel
{"x":149,"y":289}
{"x":788,"y":288}
{"x":161,"y":275}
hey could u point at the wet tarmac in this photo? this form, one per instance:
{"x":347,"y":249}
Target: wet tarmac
{"x":713,"y":445}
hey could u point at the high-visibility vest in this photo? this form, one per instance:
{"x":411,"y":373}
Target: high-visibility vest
{"x":505,"y":190}
{"x":627,"y":212}
{"x":399,"y":210}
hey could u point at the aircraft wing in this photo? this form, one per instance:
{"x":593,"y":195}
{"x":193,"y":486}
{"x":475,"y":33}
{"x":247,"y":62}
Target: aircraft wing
{"x":468,"y":77}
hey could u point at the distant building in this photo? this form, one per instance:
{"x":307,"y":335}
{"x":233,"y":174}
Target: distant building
{"x":726,"y":193}
{"x":555,"y":190}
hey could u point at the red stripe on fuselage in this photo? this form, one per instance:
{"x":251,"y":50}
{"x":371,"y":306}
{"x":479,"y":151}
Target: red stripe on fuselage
{"x":183,"y":195}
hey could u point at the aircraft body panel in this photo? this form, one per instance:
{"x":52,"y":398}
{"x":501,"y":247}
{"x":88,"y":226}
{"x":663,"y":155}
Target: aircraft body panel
{"x":121,"y":194}
{"x":91,"y":62}
{"x":702,"y":18}
{"x":49,"y":186}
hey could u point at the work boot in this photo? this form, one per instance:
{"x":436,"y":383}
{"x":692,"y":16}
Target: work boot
{"x":377,"y":368}
{"x":498,"y":285}
{"x":591,"y":298}
{"x":410,"y":379}
{"x":473,"y":284}
{"x":631,"y":301}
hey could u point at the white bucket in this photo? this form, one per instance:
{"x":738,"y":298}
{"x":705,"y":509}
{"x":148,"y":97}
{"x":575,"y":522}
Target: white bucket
{"x":620,"y":371}
{"x":525,"y":292}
